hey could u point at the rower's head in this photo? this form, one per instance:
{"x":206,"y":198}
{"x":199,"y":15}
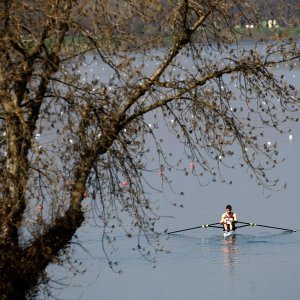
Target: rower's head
{"x":228,"y":208}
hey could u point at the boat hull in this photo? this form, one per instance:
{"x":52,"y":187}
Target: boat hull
{"x":228,"y":234}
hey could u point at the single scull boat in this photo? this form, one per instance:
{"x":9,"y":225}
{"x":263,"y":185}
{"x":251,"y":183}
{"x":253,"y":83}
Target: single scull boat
{"x":239,"y":225}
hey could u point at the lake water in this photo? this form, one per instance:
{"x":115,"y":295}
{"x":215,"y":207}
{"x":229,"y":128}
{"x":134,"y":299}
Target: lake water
{"x":259,"y":263}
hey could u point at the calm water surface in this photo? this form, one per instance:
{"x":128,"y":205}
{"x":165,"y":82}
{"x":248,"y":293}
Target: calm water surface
{"x":260,"y":263}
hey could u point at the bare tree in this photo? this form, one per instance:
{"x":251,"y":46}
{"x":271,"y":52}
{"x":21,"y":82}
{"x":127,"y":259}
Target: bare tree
{"x":67,"y":132}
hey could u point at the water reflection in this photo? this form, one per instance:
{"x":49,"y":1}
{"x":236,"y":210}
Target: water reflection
{"x":230,"y":251}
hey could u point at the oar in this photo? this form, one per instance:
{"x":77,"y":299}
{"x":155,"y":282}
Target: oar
{"x":242,"y":226}
{"x":259,"y":225}
{"x":202,"y":226}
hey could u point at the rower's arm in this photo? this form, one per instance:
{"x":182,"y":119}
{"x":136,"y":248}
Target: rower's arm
{"x":235,"y":217}
{"x":222,"y":219}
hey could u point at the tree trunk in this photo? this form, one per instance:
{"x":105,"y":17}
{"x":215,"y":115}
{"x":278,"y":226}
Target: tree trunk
{"x":21,"y":270}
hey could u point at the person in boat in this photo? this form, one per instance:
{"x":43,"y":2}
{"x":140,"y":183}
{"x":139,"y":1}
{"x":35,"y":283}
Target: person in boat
{"x":228,"y":219}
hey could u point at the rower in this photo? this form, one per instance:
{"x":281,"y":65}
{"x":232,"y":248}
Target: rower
{"x":228,"y":219}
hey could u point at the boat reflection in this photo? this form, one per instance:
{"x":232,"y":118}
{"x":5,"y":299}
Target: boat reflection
{"x":230,"y":251}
